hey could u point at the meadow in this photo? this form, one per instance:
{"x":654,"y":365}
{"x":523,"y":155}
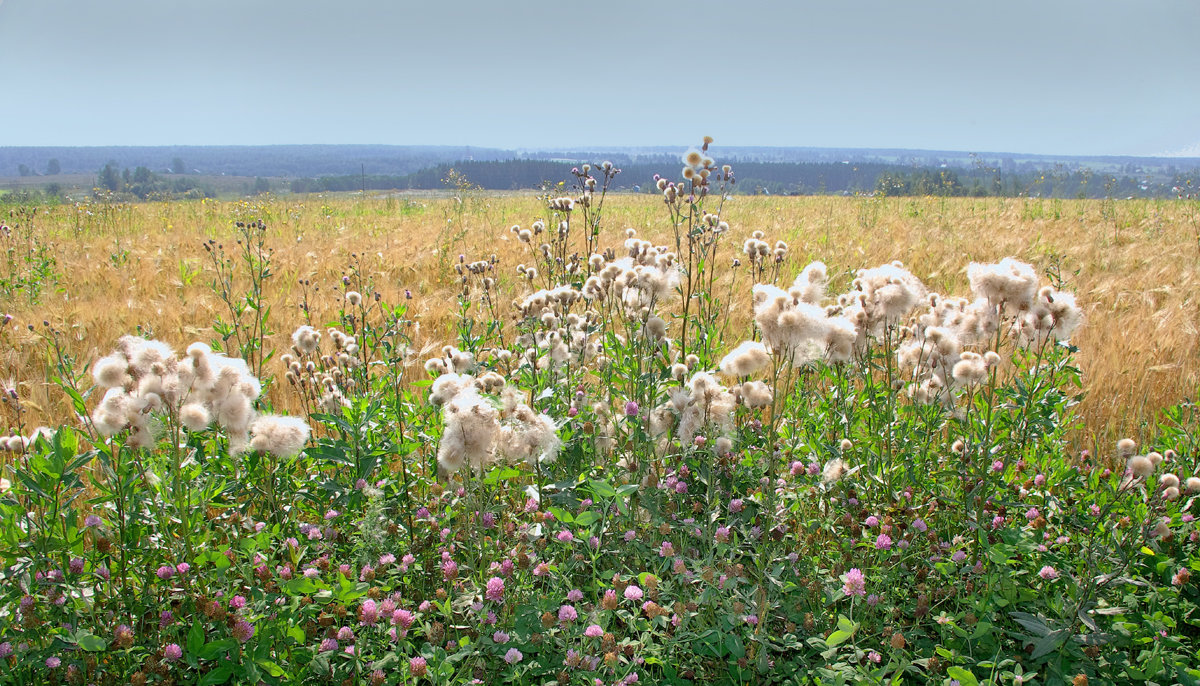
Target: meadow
{"x":584,"y":437}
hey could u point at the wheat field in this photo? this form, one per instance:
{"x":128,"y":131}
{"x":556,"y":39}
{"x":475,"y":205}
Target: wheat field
{"x":1134,"y":264}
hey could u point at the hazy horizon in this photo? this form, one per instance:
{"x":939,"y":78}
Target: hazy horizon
{"x":1068,"y":78}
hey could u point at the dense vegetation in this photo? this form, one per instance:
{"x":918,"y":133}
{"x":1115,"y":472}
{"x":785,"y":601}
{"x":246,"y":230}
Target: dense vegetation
{"x":616,"y":478}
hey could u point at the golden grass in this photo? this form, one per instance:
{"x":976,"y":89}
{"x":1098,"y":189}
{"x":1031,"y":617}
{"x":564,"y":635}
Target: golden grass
{"x":1134,"y":264}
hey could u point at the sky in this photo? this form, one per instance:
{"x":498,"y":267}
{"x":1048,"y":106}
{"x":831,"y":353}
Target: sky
{"x":1036,"y":76}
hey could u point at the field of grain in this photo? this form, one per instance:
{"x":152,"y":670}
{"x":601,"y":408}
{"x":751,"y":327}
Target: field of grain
{"x":1135,"y":266}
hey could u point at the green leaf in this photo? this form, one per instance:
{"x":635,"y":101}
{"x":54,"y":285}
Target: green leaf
{"x":195,"y":638}
{"x":586,"y":518}
{"x":964,"y":677}
{"x":297,"y":634}
{"x":837,"y":638}
{"x":90,"y":642}
{"x":602,"y":489}
{"x":217,"y":676}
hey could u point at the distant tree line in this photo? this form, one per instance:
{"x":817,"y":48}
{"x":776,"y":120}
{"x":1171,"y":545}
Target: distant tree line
{"x":807,"y":178}
{"x":144,"y":184}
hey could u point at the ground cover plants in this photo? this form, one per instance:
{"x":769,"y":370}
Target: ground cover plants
{"x":619,"y":455}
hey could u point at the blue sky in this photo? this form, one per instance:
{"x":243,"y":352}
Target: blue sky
{"x":1041,"y":76}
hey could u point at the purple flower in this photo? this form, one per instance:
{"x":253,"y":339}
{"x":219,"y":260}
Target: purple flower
{"x":92,"y":521}
{"x":871,"y":522}
{"x":920,"y":525}
{"x":854,"y":583}
{"x":243,"y":631}
{"x":172,"y":652}
{"x":574,"y":595}
{"x":417,"y":666}
{"x":1048,"y":573}
{"x":735,"y":505}
{"x":76,"y":565}
{"x":958,"y":556}
{"x":237,"y":602}
{"x":345,"y":634}
{"x":630,"y":535}
{"x":567,"y":613}
{"x":495,"y":590}
{"x":566,"y":536}
{"x":500,"y":637}
{"x":403,"y":618}
{"x":722,"y":535}
{"x":631,"y":409}
{"x":183,"y":568}
{"x":633,"y":593}
{"x":53,"y":662}
{"x":6,"y":649}
{"x":368,"y":613}
{"x":883,"y":542}
{"x":666,"y":549}
{"x":329,"y":645}
{"x":513,"y":656}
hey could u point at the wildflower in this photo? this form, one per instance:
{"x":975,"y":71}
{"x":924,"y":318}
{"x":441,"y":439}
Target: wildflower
{"x":6,"y":649}
{"x":722,"y":534}
{"x":403,"y":618}
{"x":53,"y":662}
{"x":574,"y":595}
{"x":920,"y":525}
{"x":735,"y":505}
{"x":495,"y":590}
{"x":567,"y":613}
{"x":281,"y":436}
{"x":123,"y":636}
{"x":609,"y":602}
{"x":874,"y":657}
{"x":873,"y":599}
{"x":92,"y":521}
{"x":631,"y":409}
{"x":958,"y":556}
{"x":417,"y":667}
{"x":834,"y":470}
{"x":513,"y":656}
{"x":172,"y":652}
{"x":565,"y":536}
{"x":1032,"y":514}
{"x":854,"y":583}
{"x":666,"y":549}
{"x":1048,"y":573}
{"x":883,"y":542}
{"x":633,"y":593}
{"x":368,"y":613}
{"x":594,"y":631}
{"x":76,"y":565}
{"x":871,"y":522}
{"x":500,"y":637}
{"x":1181,"y":577}
{"x":630,"y":536}
{"x":243,"y":631}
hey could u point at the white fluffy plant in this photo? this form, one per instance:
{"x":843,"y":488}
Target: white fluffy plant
{"x":150,"y":391}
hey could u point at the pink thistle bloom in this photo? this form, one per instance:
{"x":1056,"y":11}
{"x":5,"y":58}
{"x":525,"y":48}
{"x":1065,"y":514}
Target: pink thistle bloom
{"x":328,"y":645}
{"x":633,"y":593}
{"x":997,"y":466}
{"x":345,"y":634}
{"x":495,"y":590}
{"x":854,"y":583}
{"x":53,"y":662}
{"x":874,"y":657}
{"x":1048,"y":573}
{"x":593,"y":631}
{"x":243,"y":631}
{"x":386,"y":559}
